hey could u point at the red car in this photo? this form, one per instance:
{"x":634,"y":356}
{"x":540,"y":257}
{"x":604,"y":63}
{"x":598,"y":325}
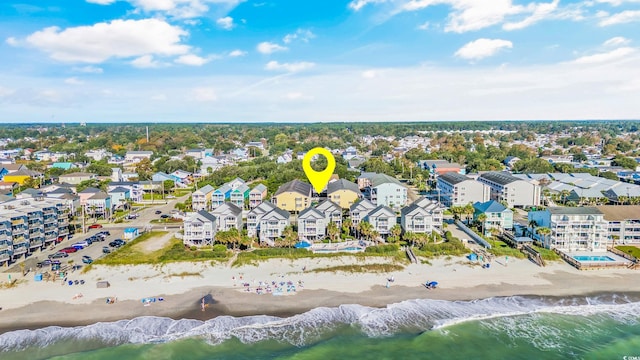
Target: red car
{"x":68,"y":250}
{"x":95,"y":226}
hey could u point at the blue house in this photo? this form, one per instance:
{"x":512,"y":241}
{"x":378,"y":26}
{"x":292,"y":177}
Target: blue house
{"x":119,"y":196}
{"x":498,"y":216}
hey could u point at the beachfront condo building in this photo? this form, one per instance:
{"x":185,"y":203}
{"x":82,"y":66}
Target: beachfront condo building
{"x":514,"y":191}
{"x":332,"y":212}
{"x":343,"y":192}
{"x":455,"y":189}
{"x":383,"y":218}
{"x":30,"y":224}
{"x":624,"y":223}
{"x":572,"y":228}
{"x":228,"y":216}
{"x":312,"y":225}
{"x":199,"y":228}
{"x":254,"y":216}
{"x":497,"y":216}
{"x":387,"y":191}
{"x":360,"y":210}
{"x":201,"y":198}
{"x":293,"y":196}
{"x":272,"y":225}
{"x":423,"y":216}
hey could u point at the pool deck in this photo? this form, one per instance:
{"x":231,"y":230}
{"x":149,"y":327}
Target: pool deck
{"x":339,"y":247}
{"x":618,"y":261}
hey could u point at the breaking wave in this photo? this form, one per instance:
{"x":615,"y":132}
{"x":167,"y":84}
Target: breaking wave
{"x":407,"y":316}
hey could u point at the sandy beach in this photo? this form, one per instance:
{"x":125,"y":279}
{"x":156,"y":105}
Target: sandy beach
{"x":36,"y":304}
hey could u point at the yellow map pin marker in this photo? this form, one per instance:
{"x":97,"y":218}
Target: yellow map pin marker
{"x":319,"y":179}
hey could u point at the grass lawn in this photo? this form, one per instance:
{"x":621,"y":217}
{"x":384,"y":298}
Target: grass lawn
{"x":547,"y":254}
{"x":366,"y":268}
{"x":253,"y":257}
{"x":631,"y":250}
{"x":155,"y":197}
{"x":499,"y":248}
{"x":131,"y":253}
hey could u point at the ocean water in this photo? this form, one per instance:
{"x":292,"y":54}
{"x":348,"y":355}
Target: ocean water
{"x":602,"y":327}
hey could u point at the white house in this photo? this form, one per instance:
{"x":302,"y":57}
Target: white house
{"x":423,"y":216}
{"x":455,"y":189}
{"x":228,"y":217}
{"x":311,"y":224}
{"x":383,"y":218}
{"x":199,"y":229}
{"x":514,"y":191}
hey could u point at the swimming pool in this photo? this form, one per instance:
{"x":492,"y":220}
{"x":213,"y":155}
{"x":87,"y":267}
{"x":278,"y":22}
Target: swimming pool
{"x":349,"y":249}
{"x":598,"y":258}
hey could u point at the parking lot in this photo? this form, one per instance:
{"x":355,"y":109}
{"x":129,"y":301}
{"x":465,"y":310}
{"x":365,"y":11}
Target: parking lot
{"x":94,"y":250}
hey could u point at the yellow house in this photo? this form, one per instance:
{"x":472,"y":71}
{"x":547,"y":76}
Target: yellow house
{"x":20,"y":176}
{"x":343,"y":193}
{"x":293,"y":196}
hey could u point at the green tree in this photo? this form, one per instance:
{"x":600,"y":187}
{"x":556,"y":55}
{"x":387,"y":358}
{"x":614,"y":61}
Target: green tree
{"x":333,"y":232}
{"x":481,"y":218}
{"x":625,"y":162}
{"x":144,"y":169}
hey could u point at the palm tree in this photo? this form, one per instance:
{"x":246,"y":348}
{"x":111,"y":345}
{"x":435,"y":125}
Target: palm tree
{"x":365,"y":229}
{"x":395,"y":231}
{"x":468,"y":210}
{"x":347,"y":225}
{"x":564,"y":194}
{"x":290,"y":236}
{"x":333,"y":231}
{"x":544,"y":232}
{"x":481,"y":218}
{"x":223,"y":238}
{"x":532,"y":225}
{"x":410,"y":237}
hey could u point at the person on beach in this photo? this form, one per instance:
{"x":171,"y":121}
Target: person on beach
{"x":506,"y":260}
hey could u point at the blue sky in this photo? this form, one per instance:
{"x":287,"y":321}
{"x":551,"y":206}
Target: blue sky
{"x":310,"y":61}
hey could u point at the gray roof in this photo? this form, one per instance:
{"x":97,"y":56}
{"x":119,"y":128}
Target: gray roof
{"x":381,"y":209}
{"x":379,"y":179}
{"x":76,"y":174}
{"x":277,"y":211}
{"x":119,"y":189}
{"x":342,"y":184}
{"x":207,"y":215}
{"x":499,"y":177}
{"x":453,"y":177}
{"x":362,"y":204}
{"x":206,"y":189}
{"x":584,"y":210}
{"x":90,"y":190}
{"x":227,"y":207}
{"x":310,"y":211}
{"x":259,"y":188}
{"x":99,"y":196}
{"x":295,"y":186}
{"x":421,"y":203}
{"x":328,"y":204}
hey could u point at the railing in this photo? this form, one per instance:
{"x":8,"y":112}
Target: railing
{"x":477,"y":238}
{"x":622,"y":254}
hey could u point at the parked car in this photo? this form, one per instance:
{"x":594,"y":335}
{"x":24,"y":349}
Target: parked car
{"x":87,"y":259}
{"x":68,"y":250}
{"x":105,"y":232}
{"x":117,"y":243}
{"x":132,"y":216}
{"x":59,"y":239}
{"x":164,"y":216}
{"x":58,"y":255}
{"x":84,"y":244}
{"x":158,"y":212}
{"x":106,"y":250}
{"x":95,"y":226}
{"x":44,"y":263}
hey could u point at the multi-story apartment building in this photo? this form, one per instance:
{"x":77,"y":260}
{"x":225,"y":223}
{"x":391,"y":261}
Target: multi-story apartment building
{"x":293,"y":196}
{"x":257,"y":195}
{"x":359,"y":210}
{"x":228,"y":216}
{"x":572,"y":228}
{"x":272,"y":225}
{"x":332,"y":212}
{"x":510,"y":189}
{"x":199,"y":229}
{"x":497,"y":216}
{"x":312,"y":224}
{"x":624,"y":223}
{"x":388,"y":191}
{"x":456,"y":189}
{"x":28,"y":225}
{"x":201,"y":198}
{"x":254,"y":216}
{"x":422,"y":217}
{"x":383,"y":218}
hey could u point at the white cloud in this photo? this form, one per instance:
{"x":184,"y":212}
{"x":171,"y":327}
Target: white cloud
{"x":424,"y":26}
{"x":5,"y":91}
{"x":12,"y":41}
{"x":617,"y":2}
{"x":610,"y":56}
{"x":297,"y":96}
{"x":237,"y":53}
{"x":88,"y":69}
{"x":301,"y":34}
{"x":146,"y":62}
{"x":102,"y":2}
{"x":540,"y":12}
{"x":356,"y":5}
{"x":204,"y":94}
{"x":116,"y":39}
{"x":369,"y":74}
{"x":482,"y":48}
{"x":269,"y":47}
{"x":192,"y":60}
{"x":289,"y":67}
{"x":182,"y":9}
{"x":616,"y":41}
{"x":623,"y":17}
{"x":225,"y":22}
{"x":73,"y":81}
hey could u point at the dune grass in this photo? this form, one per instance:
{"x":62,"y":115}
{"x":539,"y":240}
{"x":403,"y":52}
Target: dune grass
{"x":365,"y":268}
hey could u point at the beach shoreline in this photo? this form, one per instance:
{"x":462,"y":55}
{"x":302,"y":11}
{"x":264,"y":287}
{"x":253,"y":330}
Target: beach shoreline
{"x":36,"y":304}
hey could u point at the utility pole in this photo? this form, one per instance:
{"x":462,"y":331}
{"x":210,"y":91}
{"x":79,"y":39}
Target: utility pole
{"x":147,"y":134}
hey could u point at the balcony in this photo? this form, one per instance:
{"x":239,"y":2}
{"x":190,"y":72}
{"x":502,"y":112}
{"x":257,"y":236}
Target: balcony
{"x":35,"y":244}
{"x":19,"y":250}
{"x":17,"y":222}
